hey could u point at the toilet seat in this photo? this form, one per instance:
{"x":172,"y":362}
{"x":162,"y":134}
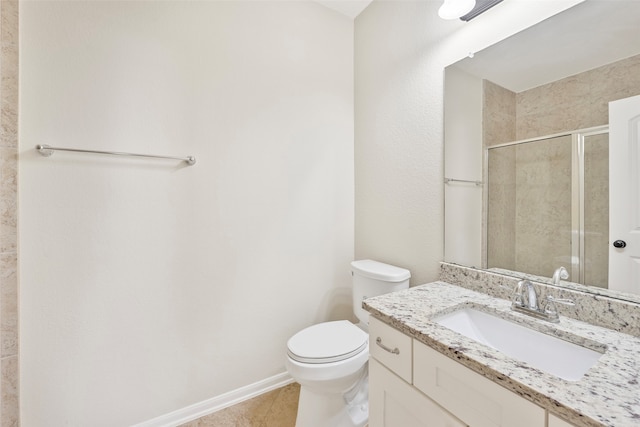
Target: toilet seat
{"x":327,"y":342}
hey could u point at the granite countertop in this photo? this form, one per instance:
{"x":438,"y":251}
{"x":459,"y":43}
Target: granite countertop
{"x":607,"y":395}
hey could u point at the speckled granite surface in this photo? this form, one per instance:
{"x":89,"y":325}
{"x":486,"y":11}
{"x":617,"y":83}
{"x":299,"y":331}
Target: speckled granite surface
{"x":601,"y":308}
{"x":608,"y":394}
{"x":635,"y":298}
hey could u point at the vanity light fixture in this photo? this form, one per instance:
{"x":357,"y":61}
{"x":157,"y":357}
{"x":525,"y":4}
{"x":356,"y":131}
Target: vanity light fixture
{"x":466,"y":10}
{"x":454,"y":9}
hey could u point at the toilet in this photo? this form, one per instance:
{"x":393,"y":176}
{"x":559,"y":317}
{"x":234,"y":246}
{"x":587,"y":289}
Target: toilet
{"x":329,"y":360}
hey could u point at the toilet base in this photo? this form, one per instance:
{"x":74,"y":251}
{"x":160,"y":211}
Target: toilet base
{"x":327,"y":410}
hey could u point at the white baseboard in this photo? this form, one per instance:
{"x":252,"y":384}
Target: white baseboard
{"x":217,"y":403}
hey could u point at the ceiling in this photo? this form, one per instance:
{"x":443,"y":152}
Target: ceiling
{"x":350,"y":8}
{"x":589,"y":35}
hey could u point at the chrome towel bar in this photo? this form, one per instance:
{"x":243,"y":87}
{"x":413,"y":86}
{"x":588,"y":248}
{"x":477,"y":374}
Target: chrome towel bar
{"x":448,"y":180}
{"x":47,"y":151}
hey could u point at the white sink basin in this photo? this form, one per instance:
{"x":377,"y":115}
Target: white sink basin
{"x":544,"y":352}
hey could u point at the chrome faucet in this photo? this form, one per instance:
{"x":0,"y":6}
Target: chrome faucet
{"x":525,"y":300}
{"x":525,"y":297}
{"x":532,"y":296}
{"x":560,"y":273}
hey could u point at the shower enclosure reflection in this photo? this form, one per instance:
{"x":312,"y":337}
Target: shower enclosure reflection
{"x":547,"y":206}
{"x":558,"y":75}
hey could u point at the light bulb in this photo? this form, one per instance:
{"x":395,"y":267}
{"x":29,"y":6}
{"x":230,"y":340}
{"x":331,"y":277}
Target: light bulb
{"x":454,"y":9}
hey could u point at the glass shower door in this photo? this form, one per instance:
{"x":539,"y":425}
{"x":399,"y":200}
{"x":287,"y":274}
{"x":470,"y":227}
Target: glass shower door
{"x":595,"y":270}
{"x":529,"y":225}
{"x":548,"y":206}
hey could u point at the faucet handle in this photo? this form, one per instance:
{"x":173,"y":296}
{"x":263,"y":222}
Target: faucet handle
{"x":552,"y":311}
{"x":563,"y":301}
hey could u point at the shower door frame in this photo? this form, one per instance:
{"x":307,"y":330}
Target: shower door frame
{"x":577,"y":195}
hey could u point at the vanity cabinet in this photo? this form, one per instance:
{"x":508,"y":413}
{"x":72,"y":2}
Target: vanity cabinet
{"x":473,"y":398}
{"x":391,"y":347}
{"x":393,"y":402}
{"x":557,"y":422}
{"x":413,"y":385}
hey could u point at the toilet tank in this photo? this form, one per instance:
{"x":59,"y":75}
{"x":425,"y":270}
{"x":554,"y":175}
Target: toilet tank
{"x":371,"y":278}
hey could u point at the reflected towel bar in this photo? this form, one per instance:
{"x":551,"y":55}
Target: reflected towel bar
{"x":47,"y":151}
{"x":448,"y":180}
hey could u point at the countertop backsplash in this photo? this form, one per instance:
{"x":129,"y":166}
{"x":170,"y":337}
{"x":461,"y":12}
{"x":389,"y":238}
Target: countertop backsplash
{"x":601,"y":310}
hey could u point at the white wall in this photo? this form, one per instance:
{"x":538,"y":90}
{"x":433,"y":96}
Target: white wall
{"x":401,"y":49}
{"x":147,"y":286}
{"x":463,"y":161}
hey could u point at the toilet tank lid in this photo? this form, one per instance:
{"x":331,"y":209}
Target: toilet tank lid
{"x":379,"y":271}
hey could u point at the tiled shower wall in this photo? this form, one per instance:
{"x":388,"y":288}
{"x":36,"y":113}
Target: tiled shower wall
{"x":543,"y":205}
{"x":498,"y":127}
{"x":576,"y":102}
{"x":9,"y":402}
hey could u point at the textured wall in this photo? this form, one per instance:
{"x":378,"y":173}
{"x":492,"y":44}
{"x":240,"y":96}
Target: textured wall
{"x":498,"y":114}
{"x":9,"y":343}
{"x":401,"y":50}
{"x":463,"y":161}
{"x":147,"y":286}
{"x":576,"y":102}
{"x":148,"y":289}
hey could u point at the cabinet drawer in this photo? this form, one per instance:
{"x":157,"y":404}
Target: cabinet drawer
{"x":474,"y":399}
{"x":390,"y":347}
{"x":394,"y":403}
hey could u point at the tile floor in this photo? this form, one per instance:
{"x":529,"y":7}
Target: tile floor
{"x":277,"y":408}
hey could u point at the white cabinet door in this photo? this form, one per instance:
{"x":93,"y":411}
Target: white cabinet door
{"x":473,"y":398}
{"x":394,"y":403}
{"x":557,"y":422}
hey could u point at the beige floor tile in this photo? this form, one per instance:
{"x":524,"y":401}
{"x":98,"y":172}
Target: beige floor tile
{"x":251,"y":413}
{"x":285,"y":408}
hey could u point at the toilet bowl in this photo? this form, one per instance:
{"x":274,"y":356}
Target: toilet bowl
{"x":329,"y":359}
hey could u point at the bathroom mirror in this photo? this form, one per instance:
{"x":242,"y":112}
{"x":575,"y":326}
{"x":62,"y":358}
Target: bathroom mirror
{"x":547,"y":83}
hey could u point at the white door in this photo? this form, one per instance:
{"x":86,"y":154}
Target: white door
{"x":624,"y":195}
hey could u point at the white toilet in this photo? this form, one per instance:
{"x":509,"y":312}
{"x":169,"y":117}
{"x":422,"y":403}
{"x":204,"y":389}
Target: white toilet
{"x":329,"y":359}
